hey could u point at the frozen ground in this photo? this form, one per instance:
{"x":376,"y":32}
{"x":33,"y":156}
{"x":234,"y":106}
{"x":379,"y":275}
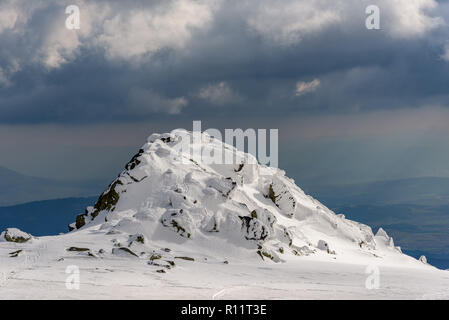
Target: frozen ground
{"x":36,"y":273}
{"x":174,"y":227}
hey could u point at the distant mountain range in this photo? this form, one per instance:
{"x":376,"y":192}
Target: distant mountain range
{"x":16,"y":188}
{"x":420,"y":191}
{"x":41,"y":218}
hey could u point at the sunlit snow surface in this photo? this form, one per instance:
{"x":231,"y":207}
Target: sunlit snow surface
{"x":250,"y":231}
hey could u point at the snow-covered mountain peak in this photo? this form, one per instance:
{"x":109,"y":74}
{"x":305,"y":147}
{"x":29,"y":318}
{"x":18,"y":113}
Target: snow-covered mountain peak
{"x":166,"y":194}
{"x":193,"y":228}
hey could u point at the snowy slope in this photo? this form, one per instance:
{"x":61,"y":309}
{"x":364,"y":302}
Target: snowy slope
{"x":169,"y":221}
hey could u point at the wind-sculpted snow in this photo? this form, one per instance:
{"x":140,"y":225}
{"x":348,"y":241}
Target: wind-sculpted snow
{"x":165,"y":192}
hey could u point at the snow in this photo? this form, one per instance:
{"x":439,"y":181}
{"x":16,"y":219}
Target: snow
{"x":14,"y":235}
{"x":242,"y":230}
{"x":423,"y":259}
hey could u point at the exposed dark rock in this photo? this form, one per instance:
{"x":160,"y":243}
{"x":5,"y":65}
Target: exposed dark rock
{"x":155,"y":257}
{"x":185,"y":258}
{"x":107,"y":200}
{"x":78,"y":249}
{"x":15,"y":253}
{"x":170,"y":262}
{"x":271,"y":194}
{"x":15,"y":235}
{"x":254,"y":229}
{"x":254,"y":214}
{"x":178,"y":221}
{"x":166,"y":140}
{"x":136,"y":238}
{"x":240,"y":167}
{"x":110,"y":197}
{"x":134,"y":161}
{"x":80,"y":221}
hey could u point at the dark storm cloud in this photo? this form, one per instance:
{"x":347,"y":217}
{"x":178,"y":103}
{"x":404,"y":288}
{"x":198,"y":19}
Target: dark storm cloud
{"x":203,"y":59}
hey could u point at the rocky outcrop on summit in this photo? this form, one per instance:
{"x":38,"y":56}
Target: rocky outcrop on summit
{"x":166,"y":193}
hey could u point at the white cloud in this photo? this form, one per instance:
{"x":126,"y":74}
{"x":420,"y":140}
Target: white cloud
{"x":124,"y":32}
{"x":306,"y":87}
{"x":134,"y":32}
{"x":58,"y":47}
{"x":8,"y":16}
{"x":411,"y":18}
{"x":131,"y":32}
{"x":46,"y":40}
{"x":286,"y":22}
{"x":143,"y":101}
{"x":143,"y":31}
{"x":218,"y":94}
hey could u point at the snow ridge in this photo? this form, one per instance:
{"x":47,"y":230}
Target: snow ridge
{"x":164,"y":194}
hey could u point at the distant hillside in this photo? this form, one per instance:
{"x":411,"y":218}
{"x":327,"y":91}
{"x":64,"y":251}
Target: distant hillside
{"x":16,"y":188}
{"x":41,"y":218}
{"x":420,"y":191}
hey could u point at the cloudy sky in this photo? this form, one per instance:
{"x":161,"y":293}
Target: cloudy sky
{"x":351,"y":104}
